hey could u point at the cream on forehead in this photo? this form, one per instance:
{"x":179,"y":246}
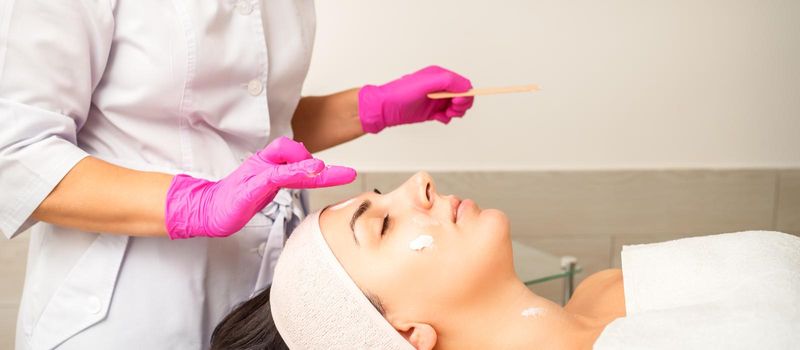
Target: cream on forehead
{"x":421,"y":242}
{"x":342,"y":204}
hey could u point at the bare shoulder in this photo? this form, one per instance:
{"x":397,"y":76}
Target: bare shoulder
{"x":604,"y":277}
{"x":599,"y":295}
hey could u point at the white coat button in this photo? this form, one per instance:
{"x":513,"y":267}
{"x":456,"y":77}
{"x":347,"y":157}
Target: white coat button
{"x":93,"y":305}
{"x":261,"y":248}
{"x":254,"y":87}
{"x":244,"y":7}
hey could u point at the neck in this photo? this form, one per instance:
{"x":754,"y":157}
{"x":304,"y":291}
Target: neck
{"x":512,"y":317}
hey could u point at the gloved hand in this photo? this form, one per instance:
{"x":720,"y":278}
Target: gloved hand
{"x":405,"y":100}
{"x":197,"y":207}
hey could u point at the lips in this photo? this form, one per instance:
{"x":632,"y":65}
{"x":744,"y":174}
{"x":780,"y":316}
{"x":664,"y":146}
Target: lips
{"x":454,"y":204}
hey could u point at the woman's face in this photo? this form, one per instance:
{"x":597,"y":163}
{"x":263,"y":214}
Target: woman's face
{"x":470,"y":252}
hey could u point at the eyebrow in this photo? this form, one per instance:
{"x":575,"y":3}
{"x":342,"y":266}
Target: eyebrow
{"x":362,"y":208}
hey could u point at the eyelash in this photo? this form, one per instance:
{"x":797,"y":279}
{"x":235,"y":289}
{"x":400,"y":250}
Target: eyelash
{"x":376,"y":191}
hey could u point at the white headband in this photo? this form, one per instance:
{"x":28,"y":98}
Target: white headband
{"x":316,"y":305}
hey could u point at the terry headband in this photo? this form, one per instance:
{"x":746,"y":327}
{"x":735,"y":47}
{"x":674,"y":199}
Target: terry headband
{"x":316,"y":305}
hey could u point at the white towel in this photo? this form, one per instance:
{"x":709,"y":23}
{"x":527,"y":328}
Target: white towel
{"x":316,"y":305}
{"x":729,"y":291}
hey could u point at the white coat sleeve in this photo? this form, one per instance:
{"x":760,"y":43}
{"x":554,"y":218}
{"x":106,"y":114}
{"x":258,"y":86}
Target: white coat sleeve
{"x":52,"y":55}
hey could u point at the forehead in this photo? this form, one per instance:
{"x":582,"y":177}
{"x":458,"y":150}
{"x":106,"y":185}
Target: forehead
{"x":334,"y":222}
{"x":340,"y":211}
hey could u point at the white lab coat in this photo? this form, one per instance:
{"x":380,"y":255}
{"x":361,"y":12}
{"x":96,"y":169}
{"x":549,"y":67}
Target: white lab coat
{"x":172,"y":86}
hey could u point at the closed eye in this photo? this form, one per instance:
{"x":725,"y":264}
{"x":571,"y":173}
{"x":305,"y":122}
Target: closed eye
{"x":385,"y":219}
{"x":385,"y":225}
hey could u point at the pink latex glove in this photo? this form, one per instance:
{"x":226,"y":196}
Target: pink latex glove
{"x":405,"y":100}
{"x":201,"y":208}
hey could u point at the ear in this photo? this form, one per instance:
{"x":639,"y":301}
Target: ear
{"x":421,"y":335}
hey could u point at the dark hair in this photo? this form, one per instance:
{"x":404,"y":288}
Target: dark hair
{"x":250,"y":326}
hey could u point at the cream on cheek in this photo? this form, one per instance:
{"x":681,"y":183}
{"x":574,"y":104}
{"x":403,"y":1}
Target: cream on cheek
{"x":421,"y":242}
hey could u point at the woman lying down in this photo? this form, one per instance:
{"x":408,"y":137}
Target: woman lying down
{"x":417,"y":269}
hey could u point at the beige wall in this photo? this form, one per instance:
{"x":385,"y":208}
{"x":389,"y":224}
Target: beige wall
{"x":13,"y":255}
{"x":626,"y":84}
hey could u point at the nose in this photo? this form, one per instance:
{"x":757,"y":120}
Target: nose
{"x":421,"y":189}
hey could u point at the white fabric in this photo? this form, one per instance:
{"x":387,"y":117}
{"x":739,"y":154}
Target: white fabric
{"x":729,"y":291}
{"x":171,"y":86}
{"x":315,"y":304}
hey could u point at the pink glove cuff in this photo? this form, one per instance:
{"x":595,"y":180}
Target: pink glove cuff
{"x":183,"y":221}
{"x":370,"y":109}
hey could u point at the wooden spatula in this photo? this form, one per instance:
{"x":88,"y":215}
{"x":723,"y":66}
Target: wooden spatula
{"x":485,"y":91}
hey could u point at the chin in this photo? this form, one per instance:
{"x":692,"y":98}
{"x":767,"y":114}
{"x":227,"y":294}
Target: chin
{"x":494,"y":254}
{"x":495,"y":220}
{"x":496,"y":223}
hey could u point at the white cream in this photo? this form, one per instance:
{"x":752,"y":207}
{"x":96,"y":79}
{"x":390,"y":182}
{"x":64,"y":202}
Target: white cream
{"x":532,"y":312}
{"x":315,"y":173}
{"x":422,"y":221}
{"x":421,"y":242}
{"x":342,"y":204}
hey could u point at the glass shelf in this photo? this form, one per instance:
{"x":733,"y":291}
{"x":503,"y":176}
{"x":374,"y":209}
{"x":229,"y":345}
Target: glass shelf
{"x":535,"y":266}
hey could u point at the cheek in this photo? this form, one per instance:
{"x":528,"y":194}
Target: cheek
{"x":408,"y":282}
{"x":410,"y":274}
{"x":456,"y":267}
{"x":418,"y":237}
{"x":485,"y":254}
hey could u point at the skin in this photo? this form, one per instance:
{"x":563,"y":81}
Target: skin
{"x":321,"y":122}
{"x":462,"y":292}
{"x":97,"y":196}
